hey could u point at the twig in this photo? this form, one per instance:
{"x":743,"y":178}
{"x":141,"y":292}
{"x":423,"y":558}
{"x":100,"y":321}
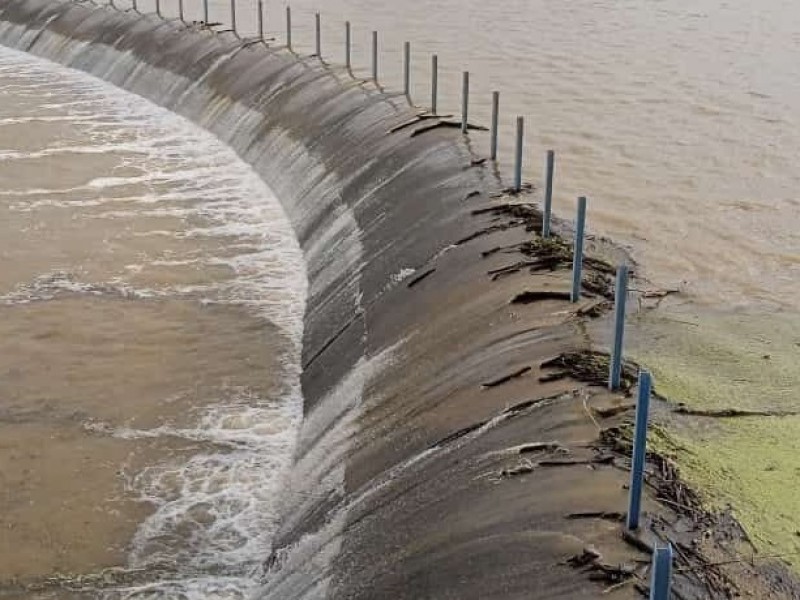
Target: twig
{"x":737,"y":561}
{"x":616,"y":586}
{"x":729,"y":413}
{"x":506,"y":378}
{"x":589,"y":412}
{"x":636,"y":542}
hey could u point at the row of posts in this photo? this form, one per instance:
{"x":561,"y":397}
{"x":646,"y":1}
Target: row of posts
{"x":518,"y":155}
{"x":662,"y":557}
{"x":661,"y":568}
{"x":520,"y":127}
{"x":660,"y":583}
{"x":661,"y":579}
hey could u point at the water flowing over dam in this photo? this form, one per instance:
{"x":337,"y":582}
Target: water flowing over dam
{"x":155,"y":278}
{"x":454,"y":440}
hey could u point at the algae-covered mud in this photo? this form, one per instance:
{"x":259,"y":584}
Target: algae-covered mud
{"x":744,"y":365}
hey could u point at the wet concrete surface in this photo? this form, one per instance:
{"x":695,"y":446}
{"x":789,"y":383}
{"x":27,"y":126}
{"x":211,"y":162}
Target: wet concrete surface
{"x":406,"y":483}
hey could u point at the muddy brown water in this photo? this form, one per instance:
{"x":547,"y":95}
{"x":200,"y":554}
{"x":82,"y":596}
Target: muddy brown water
{"x":151,"y":301}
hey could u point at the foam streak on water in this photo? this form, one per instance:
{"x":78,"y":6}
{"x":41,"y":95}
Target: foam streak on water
{"x":224,"y":231}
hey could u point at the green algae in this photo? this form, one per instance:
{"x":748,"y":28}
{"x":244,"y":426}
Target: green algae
{"x":721,"y":361}
{"x":749,"y":464}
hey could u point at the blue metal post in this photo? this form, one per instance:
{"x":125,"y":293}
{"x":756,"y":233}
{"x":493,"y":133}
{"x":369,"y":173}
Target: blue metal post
{"x":180,"y":11}
{"x":577,"y":258}
{"x":407,"y":69}
{"x":205,"y":12}
{"x":495,"y":119}
{"x":261,"y":20}
{"x":289,"y":27}
{"x":639,"y":450}
{"x":548,"y":193}
{"x":518,"y":155}
{"x":375,"y":56}
{"x":661,"y":580}
{"x":620,"y":298}
{"x":158,"y":7}
{"x":318,"y":35}
{"x":347,"y":45}
{"x":434,"y":83}
{"x":233,"y":17}
{"x":464,"y":101}
{"x":134,"y":6}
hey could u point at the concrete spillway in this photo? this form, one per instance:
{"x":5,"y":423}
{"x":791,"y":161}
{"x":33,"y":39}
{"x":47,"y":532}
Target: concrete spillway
{"x":416,"y":472}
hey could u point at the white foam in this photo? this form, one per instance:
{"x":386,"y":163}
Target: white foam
{"x":44,"y":119}
{"x":402,"y":275}
{"x":218,"y":587}
{"x":327,"y":436}
{"x":51,"y":285}
{"x":214,"y":514}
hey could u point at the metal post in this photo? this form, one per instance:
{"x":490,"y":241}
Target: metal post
{"x":661,"y":579}
{"x":158,"y":7}
{"x":495,"y":119}
{"x":620,"y":297}
{"x":180,"y":11}
{"x":434,"y":82}
{"x":261,"y":20}
{"x":407,"y":69}
{"x":375,"y":56}
{"x":577,"y":257}
{"x":289,"y":27}
{"x":134,"y":6}
{"x":518,"y":155}
{"x":347,"y":46}
{"x":464,"y":101}
{"x":205,"y":12}
{"x":233,"y":16}
{"x":318,"y":35}
{"x":548,"y":193}
{"x":639,"y":450}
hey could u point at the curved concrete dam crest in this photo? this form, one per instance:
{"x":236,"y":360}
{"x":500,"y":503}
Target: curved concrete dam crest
{"x":431,"y":458}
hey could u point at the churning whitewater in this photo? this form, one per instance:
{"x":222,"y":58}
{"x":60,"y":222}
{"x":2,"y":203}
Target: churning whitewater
{"x":112,"y":201}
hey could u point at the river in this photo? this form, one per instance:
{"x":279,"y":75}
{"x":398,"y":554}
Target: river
{"x":152,"y":295}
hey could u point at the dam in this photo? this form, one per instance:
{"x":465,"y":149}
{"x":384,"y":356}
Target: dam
{"x":442,"y":433}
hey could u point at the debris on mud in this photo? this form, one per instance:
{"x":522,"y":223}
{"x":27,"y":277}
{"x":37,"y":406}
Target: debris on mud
{"x":591,"y":560}
{"x":506,"y":378}
{"x":543,"y":254}
{"x":529,"y":297}
{"x":731,"y":413}
{"x":420,"y":277}
{"x":602,"y":515}
{"x":588,"y":366}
